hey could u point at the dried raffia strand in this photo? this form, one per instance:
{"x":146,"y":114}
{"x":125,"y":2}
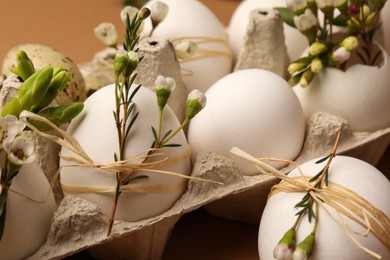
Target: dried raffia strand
{"x":340,"y":198}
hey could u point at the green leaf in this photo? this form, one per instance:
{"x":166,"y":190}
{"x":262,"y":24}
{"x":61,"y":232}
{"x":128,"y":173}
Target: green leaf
{"x":360,"y":55}
{"x":154,"y":133}
{"x":302,"y":203}
{"x":171,"y":145}
{"x":287,"y":15}
{"x":166,"y":134}
{"x":315,"y":177}
{"x":300,"y":212}
{"x":135,"y":178}
{"x":131,"y":124}
{"x":322,"y":159}
{"x":326,"y":177}
{"x":377,"y":55}
{"x":3,"y":210}
{"x":2,"y":220}
{"x":310,"y":213}
{"x":340,"y":20}
{"x":134,"y":92}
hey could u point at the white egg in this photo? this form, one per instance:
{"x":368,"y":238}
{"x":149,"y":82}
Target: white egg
{"x":385,"y":26}
{"x":252,"y":109}
{"x":295,"y":42}
{"x":95,"y":130}
{"x":27,"y":222}
{"x":330,"y":242}
{"x":192,"y":20}
{"x":360,"y":95}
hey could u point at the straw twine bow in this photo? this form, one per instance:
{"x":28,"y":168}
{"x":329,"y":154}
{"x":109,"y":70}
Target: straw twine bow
{"x":342,"y":200}
{"x":82,"y":159}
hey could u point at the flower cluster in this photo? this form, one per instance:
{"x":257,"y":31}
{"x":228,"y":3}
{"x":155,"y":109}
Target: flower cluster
{"x":356,"y":22}
{"x":36,"y":93}
{"x":286,"y":249}
{"x":107,"y":33}
{"x":196,"y":101}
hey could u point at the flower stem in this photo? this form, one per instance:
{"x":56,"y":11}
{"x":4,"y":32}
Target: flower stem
{"x":316,"y":220}
{"x":185,"y":122}
{"x":160,"y":126}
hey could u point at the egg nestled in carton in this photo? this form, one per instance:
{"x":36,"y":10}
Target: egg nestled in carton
{"x":191,"y":21}
{"x":27,"y":191}
{"x":41,"y":56}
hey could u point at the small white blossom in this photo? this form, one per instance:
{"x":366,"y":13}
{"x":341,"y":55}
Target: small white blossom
{"x":295,"y":5}
{"x":341,"y":54}
{"x":159,"y":11}
{"x":106,"y":33}
{"x":283,"y":252}
{"x":165,"y":83}
{"x":20,"y":151}
{"x":132,"y":12}
{"x":197,"y":95}
{"x":10,"y":127}
{"x":133,"y":56}
{"x":305,"y":21}
{"x":163,"y":88}
{"x":185,"y":49}
{"x":196,"y":101}
{"x":299,"y":255}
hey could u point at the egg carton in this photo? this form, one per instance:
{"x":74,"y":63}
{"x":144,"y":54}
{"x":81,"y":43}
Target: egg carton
{"x":79,"y":225}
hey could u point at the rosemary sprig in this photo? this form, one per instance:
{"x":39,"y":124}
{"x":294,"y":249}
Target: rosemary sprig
{"x":126,"y":62}
{"x":321,"y":178}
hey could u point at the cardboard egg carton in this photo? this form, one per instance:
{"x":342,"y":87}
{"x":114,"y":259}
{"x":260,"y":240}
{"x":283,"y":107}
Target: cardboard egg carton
{"x":80,"y":225}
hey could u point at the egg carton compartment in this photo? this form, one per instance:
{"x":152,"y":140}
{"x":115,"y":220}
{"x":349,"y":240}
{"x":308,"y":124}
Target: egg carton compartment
{"x":79,"y":224}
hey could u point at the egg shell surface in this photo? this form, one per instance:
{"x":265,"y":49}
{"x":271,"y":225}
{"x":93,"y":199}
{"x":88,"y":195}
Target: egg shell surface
{"x":360,"y":95}
{"x":253,"y":109}
{"x":191,"y":18}
{"x":95,"y":130}
{"x":27,"y":221}
{"x":294,"y":40}
{"x":330,"y":242}
{"x":42,"y":56}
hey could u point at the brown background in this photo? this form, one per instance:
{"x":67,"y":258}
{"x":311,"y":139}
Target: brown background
{"x":67,"y":25}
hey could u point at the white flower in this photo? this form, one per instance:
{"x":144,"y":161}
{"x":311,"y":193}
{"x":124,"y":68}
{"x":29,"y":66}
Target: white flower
{"x":197,"y":95}
{"x":196,"y":101}
{"x":185,"y":49}
{"x":133,"y":56}
{"x":20,"y":151}
{"x":305,"y":21}
{"x":164,"y":83}
{"x":283,"y":252}
{"x":10,"y":127}
{"x":163,"y":88}
{"x":107,"y":34}
{"x":299,"y":255}
{"x":341,"y":54}
{"x":132,"y":12}
{"x":295,"y":5}
{"x":159,"y":11}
